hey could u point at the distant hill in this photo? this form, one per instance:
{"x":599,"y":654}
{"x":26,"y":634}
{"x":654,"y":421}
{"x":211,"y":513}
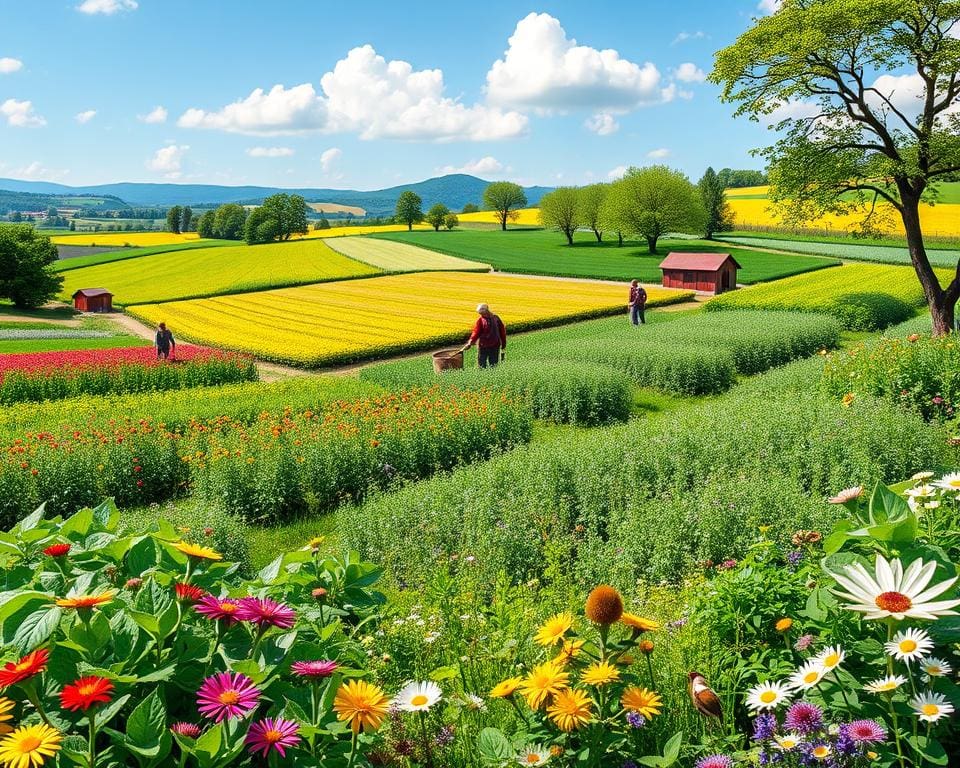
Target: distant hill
{"x":18,"y":200}
{"x":454,"y":190}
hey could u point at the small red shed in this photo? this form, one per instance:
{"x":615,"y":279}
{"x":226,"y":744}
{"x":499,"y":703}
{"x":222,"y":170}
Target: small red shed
{"x":706,"y":272}
{"x":93,"y":300}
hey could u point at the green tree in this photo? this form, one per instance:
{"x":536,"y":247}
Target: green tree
{"x":731,"y":178}
{"x":25,"y":274}
{"x":653,"y":201}
{"x":186,"y":219}
{"x":450,"y":221}
{"x":859,"y":144}
{"x":503,"y":197}
{"x":260,"y":227}
{"x":437,"y":215}
{"x":229,"y":220}
{"x":324,"y":223}
{"x":205,"y":224}
{"x":470,"y":208}
{"x":558,"y":210}
{"x":719,"y":215}
{"x":589,"y":206}
{"x":173,"y":219}
{"x":409,"y":209}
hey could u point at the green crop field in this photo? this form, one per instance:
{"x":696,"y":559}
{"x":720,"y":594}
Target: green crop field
{"x":850,"y":249}
{"x":541,"y":252}
{"x":195,"y":273}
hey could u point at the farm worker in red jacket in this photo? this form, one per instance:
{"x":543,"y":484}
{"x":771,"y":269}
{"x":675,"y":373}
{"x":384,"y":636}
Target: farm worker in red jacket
{"x":490,"y":336}
{"x":637,"y":303}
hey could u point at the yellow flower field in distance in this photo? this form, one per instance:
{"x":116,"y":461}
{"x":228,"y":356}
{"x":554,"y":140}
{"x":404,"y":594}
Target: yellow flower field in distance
{"x":340,"y":322}
{"x":529,"y":217}
{"x":392,"y":256}
{"x":120,"y":239}
{"x":212,"y":271}
{"x":746,"y":191}
{"x":359,"y":230}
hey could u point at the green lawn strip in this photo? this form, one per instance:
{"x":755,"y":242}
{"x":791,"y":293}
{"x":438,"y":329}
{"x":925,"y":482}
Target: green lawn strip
{"x":76,"y":262}
{"x":539,"y":252}
{"x":851,"y":250}
{"x":66,"y":345}
{"x":42,"y":313}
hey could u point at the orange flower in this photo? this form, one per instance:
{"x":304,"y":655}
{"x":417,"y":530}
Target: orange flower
{"x":604,"y":606}
{"x":194,"y":550}
{"x":637,"y":623}
{"x":506,"y":688}
{"x":784,"y":624}
{"x":85,"y":692}
{"x":16,"y":671}
{"x":361,"y":704}
{"x":86,"y":601}
{"x":543,"y":681}
{"x":570,"y":709}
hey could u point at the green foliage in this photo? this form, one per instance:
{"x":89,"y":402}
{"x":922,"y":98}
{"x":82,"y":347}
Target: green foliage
{"x":559,"y":210}
{"x":590,"y":201}
{"x":409,"y":210}
{"x":450,"y":221}
{"x":470,"y":208}
{"x":277,"y":218}
{"x":719,"y":217}
{"x":504,"y":197}
{"x":229,"y":221}
{"x":174,"y":217}
{"x":205,"y":224}
{"x":437,"y":216}
{"x":26,"y":277}
{"x":732,"y":179}
{"x":852,"y":250}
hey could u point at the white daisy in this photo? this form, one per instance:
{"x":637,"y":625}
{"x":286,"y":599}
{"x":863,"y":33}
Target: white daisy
{"x":949,"y":482}
{"x":894,"y":592}
{"x":885,"y":684}
{"x":418,"y":697}
{"x":909,"y":645}
{"x":787,"y":742}
{"x":935,"y":667}
{"x":921,"y":491}
{"x":830,"y":658}
{"x":767,"y":696}
{"x":807,"y":676}
{"x":821,"y":752}
{"x":533,"y":755}
{"x":926,"y":475}
{"x":475,"y":703}
{"x":930,"y":706}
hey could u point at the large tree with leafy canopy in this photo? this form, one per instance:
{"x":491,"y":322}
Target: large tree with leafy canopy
{"x":504,"y":197}
{"x":875,"y":89}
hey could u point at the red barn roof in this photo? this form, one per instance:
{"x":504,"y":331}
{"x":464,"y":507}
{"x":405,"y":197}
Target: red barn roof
{"x":89,"y":292}
{"x":706,"y":262}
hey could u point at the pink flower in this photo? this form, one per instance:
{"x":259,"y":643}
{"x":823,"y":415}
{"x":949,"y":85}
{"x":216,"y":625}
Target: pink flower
{"x":715,"y":761}
{"x":865,"y":731}
{"x":218,"y":608}
{"x":265,"y":612}
{"x":227,"y":695}
{"x":271,"y":733}
{"x":189,"y":730}
{"x":314,"y":669}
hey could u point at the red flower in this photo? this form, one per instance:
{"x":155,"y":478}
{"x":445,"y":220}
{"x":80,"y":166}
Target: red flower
{"x":85,"y":692}
{"x":139,"y":483}
{"x":16,"y":671}
{"x":57,"y":550}
{"x":189,"y":592}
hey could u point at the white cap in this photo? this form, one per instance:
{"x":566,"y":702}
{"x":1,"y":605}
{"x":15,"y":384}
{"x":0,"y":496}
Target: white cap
{"x":482,"y":308}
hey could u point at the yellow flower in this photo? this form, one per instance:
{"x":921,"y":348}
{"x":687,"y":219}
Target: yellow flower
{"x":568,"y":652}
{"x":784,"y":624}
{"x":638,"y":624}
{"x":506,"y":688}
{"x":570,"y":709}
{"x":316,"y":542}
{"x":361,"y":704}
{"x":6,"y":713}
{"x":86,"y":601}
{"x":554,"y":628}
{"x":545,"y":680}
{"x":847,"y":399}
{"x":195,"y":550}
{"x":600,"y":673}
{"x":29,"y":745}
{"x":641,"y":700}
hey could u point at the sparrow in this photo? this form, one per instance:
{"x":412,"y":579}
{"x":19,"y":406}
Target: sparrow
{"x":706,"y":702}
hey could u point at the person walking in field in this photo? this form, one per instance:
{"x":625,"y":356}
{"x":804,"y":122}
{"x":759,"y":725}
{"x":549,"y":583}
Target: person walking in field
{"x":637,"y":303}
{"x":490,"y":336}
{"x":165,"y":342}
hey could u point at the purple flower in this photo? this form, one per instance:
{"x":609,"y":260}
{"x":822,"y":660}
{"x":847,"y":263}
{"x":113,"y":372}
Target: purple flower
{"x":444,"y":737}
{"x":803,"y":642}
{"x":636,"y":720}
{"x":865,"y":731}
{"x":764,"y":726}
{"x":804,"y":717}
{"x":726,"y":565}
{"x":265,"y":613}
{"x":314,"y":669}
{"x":794,"y":557}
{"x":628,"y":764}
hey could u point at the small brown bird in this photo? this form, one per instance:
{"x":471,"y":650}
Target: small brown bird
{"x":706,"y":702}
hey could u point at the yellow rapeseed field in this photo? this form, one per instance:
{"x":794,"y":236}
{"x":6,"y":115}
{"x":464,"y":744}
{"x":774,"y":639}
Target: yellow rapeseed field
{"x":344,"y":231}
{"x":120,"y":239}
{"x":339,"y":322}
{"x":525,"y":216}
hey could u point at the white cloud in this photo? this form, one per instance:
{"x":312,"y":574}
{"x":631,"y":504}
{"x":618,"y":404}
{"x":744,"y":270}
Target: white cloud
{"x":20,"y":114}
{"x":769,"y":6}
{"x":682,"y":37}
{"x":329,"y":157}
{"x":9,"y":65}
{"x":616,"y":173}
{"x":688,"y":72}
{"x":367,"y":95}
{"x":482,"y":167}
{"x":658,"y":154}
{"x":544,"y":69}
{"x":85,"y":116}
{"x":602,"y":124}
{"x":168,"y":160}
{"x":155,"y":116}
{"x":36,"y":171}
{"x":270,"y":152}
{"x":106,"y":7}
{"x":791,"y":110}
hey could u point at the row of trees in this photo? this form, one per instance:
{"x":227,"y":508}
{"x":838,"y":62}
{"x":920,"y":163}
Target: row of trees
{"x":646,"y":202}
{"x":502,"y":197}
{"x":279,"y":217}
{"x":181,"y":219}
{"x":409,"y":211}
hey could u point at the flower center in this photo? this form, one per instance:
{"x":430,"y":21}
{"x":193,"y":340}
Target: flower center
{"x":228,"y":697}
{"x":832,"y":660}
{"x":86,"y":690}
{"x":933,"y":670}
{"x":821,"y":751}
{"x":768,"y":697}
{"x":228,"y":607}
{"x":887,"y":686}
{"x":930,"y":709}
{"x":811,"y":677}
{"x":533,"y":759}
{"x":273,"y":736}
{"x":22,"y":666}
{"x":788,"y":743}
{"x":419,"y":700}
{"x":893,"y":602}
{"x":908,"y":646}
{"x":29,"y":743}
{"x":955,"y":483}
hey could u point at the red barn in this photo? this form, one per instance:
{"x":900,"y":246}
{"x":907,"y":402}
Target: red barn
{"x":93,"y":300}
{"x":707,"y":272}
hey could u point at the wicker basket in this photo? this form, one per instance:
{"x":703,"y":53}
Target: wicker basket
{"x":447,"y":360}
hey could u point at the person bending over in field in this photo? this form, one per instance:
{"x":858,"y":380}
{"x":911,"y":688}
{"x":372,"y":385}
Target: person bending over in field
{"x":490,"y":336}
{"x":165,"y":342}
{"x":637,"y":303}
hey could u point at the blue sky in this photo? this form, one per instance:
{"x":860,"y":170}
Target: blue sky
{"x":363,"y":95}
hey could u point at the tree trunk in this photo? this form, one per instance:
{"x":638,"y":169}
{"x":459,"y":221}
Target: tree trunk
{"x":652,"y":244}
{"x":942,"y":303}
{"x":409,"y":226}
{"x":503,"y":221}
{"x":599,"y":235}
{"x":569,"y":235}
{"x":619,"y":239}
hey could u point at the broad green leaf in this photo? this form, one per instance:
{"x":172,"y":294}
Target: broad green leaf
{"x":32,"y":520}
{"x":146,"y":725}
{"x":78,"y":526}
{"x":36,"y":628}
{"x":494,"y":747}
